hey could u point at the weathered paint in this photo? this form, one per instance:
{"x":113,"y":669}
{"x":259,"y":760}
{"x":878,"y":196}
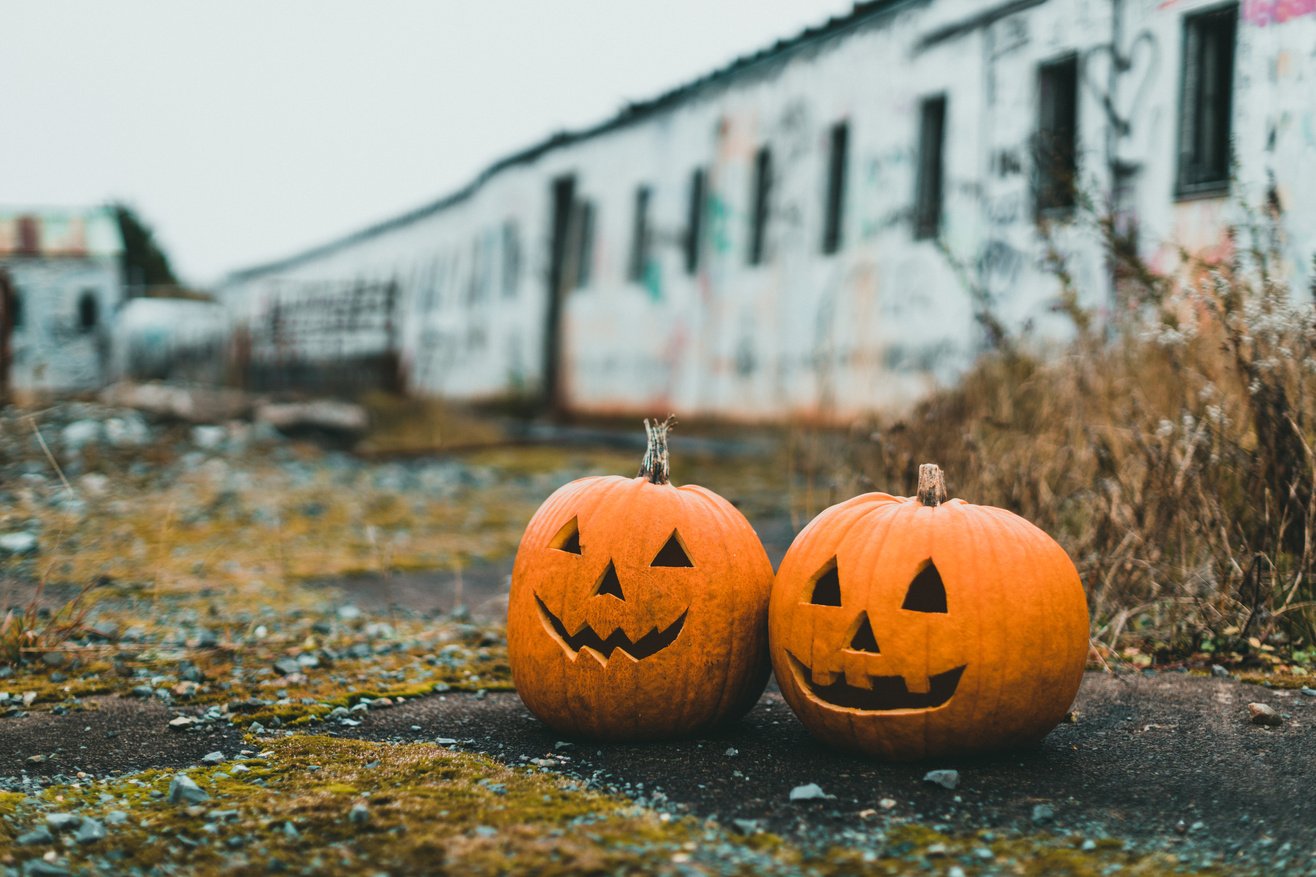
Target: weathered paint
{"x":885,"y":318}
{"x":55,"y":259}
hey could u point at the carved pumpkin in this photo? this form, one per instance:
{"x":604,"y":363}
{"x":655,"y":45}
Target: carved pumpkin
{"x":638,"y":609}
{"x":907,"y":628}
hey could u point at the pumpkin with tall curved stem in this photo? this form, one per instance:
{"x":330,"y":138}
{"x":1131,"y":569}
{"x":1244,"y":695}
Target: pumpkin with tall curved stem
{"x":638,"y":609}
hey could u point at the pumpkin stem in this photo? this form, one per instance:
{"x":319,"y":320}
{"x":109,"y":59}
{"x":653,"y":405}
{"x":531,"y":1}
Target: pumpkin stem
{"x":657,"y":464}
{"x":931,"y":485}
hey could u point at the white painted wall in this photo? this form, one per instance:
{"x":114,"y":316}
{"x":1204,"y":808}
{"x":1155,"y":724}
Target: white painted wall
{"x":879,"y":323}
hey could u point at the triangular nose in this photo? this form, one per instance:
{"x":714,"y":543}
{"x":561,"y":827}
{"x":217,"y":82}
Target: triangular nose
{"x":609,"y":583}
{"x":864,"y":640}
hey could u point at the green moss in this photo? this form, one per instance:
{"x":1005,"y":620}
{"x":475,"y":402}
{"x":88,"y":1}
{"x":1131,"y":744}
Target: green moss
{"x":427,"y":808}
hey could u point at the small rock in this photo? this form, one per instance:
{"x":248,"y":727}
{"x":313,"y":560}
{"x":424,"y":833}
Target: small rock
{"x":485,"y":831}
{"x":1310,"y":692}
{"x":90,"y":831}
{"x":1262,"y":714}
{"x":36,"y":759}
{"x":1043,"y":814}
{"x":181,"y":723}
{"x":256,"y":728}
{"x":1219,"y":672}
{"x":1088,"y":845}
{"x":40,"y":835}
{"x":116,"y":817}
{"x":291,"y":831}
{"x":808,"y":792}
{"x":359,"y":814}
{"x":183,"y":789}
{"x":746,"y":826}
{"x":58,"y":822}
{"x":212,"y":757}
{"x":44,"y":868}
{"x":287,"y":666}
{"x":444,"y":741}
{"x":18,"y":544}
{"x":887,"y":803}
{"x":349,"y":612}
{"x":732,"y":752}
{"x":947,"y":779}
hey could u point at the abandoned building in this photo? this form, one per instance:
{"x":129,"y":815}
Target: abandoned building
{"x":807,"y":231}
{"x":60,"y":285}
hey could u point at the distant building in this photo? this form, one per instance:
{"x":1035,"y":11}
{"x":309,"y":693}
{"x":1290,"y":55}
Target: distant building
{"x":799,"y":233}
{"x":60,"y":284}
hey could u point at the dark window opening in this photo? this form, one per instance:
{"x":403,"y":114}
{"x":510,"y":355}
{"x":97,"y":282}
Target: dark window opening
{"x":16,"y":310}
{"x":928,"y":191}
{"x":834,"y":215}
{"x":29,"y":236}
{"x":694,"y":227}
{"x":511,"y":258}
{"x":761,"y":198}
{"x":584,"y":242}
{"x":1056,"y":148}
{"x":89,"y":311}
{"x":640,"y":235}
{"x":1206,"y":101}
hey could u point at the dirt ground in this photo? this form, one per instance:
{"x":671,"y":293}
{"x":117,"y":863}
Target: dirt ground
{"x":1167,"y":759}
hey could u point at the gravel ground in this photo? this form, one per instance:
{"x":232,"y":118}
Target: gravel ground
{"x":1167,"y":760}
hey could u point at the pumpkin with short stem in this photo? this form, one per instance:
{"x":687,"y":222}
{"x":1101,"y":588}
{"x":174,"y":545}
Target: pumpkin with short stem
{"x":638,"y":609}
{"x":912,"y":627}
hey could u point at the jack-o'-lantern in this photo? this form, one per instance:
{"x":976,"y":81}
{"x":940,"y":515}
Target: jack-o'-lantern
{"x":911,"y":627}
{"x":638,"y":609}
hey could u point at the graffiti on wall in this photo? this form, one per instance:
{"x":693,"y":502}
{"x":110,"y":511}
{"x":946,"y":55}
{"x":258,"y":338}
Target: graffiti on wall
{"x":1263,"y":13}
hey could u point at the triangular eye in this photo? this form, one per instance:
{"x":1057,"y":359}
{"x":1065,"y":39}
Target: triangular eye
{"x":672,"y":553}
{"x":609,"y":583}
{"x":863,"y":639}
{"x":926,"y":593}
{"x":827,"y":586}
{"x":568,"y":538}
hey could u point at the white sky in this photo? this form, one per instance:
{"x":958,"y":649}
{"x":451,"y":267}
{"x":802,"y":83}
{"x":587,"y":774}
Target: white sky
{"x":244,"y":130}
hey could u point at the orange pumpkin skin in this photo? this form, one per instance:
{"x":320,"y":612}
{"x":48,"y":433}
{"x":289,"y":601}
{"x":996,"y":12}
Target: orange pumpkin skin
{"x":977,"y":631}
{"x":650,"y":651}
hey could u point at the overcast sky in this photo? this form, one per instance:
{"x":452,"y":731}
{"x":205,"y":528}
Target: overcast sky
{"x":244,"y":130}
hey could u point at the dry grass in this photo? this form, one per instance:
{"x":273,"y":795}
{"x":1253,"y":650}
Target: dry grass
{"x":1174,"y":462}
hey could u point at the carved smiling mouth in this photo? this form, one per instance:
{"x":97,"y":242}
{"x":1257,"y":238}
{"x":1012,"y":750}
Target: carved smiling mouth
{"x":602,"y":648}
{"x":888,"y":694}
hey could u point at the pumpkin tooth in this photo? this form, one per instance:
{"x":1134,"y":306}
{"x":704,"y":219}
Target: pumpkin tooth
{"x":586,"y":639}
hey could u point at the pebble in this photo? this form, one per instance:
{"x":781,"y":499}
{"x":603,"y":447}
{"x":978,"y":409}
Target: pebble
{"x":18,"y":544}
{"x":212,"y":757}
{"x":359,"y":814}
{"x":90,"y":831}
{"x":43,"y":868}
{"x":746,"y":826}
{"x":1219,"y":672}
{"x":947,"y":779}
{"x":732,"y":752}
{"x":40,"y":835}
{"x":1043,"y":814}
{"x":808,"y":792}
{"x":887,"y":803}
{"x":183,"y":789}
{"x":1263,"y":714}
{"x":1310,"y":692}
{"x":181,"y":723}
{"x":62,"y":821}
{"x":116,"y":817}
{"x":287,"y":666}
